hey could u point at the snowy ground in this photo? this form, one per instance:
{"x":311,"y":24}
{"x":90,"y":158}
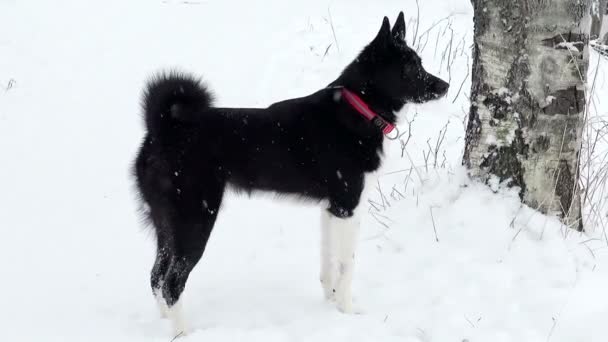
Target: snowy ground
{"x":441,"y":258}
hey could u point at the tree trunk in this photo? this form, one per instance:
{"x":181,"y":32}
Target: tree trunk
{"x":598,"y":11}
{"x":528,"y":100}
{"x":604,"y":29}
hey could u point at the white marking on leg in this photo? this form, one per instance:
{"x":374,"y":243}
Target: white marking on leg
{"x":160,"y":301}
{"x":178,"y":322}
{"x":347,"y":231}
{"x":328,"y":255}
{"x":346,"y":235}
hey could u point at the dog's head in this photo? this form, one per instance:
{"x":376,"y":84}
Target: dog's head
{"x":389,"y":67}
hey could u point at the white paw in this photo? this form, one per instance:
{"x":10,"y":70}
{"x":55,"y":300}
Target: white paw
{"x":180,"y":329}
{"x":178,"y":321}
{"x":328,"y":291}
{"x":162,"y":305}
{"x":346,"y":306}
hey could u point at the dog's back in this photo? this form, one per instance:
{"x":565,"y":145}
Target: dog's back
{"x":286,"y":148}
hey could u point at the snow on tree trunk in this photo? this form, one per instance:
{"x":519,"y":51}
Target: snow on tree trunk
{"x":528,"y":100}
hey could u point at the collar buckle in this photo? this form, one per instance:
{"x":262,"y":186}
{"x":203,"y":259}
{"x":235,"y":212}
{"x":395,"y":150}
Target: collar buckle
{"x":362,"y":108}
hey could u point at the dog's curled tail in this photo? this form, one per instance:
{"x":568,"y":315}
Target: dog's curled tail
{"x":173,"y":97}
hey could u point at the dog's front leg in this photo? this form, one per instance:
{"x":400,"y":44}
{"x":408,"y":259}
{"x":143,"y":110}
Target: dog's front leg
{"x":344,"y":220}
{"x":329,"y":249}
{"x":347,"y":231}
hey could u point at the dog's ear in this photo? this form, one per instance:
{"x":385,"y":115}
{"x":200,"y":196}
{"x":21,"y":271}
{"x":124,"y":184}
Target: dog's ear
{"x":399,"y":28}
{"x":384,"y":34}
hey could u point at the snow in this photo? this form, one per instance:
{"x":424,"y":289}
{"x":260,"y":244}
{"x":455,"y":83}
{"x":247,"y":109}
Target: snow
{"x":570,"y":46}
{"x":440,"y":258}
{"x":599,"y":47}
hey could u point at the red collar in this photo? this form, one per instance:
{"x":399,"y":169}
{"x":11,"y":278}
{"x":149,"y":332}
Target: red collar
{"x":360,"y":106}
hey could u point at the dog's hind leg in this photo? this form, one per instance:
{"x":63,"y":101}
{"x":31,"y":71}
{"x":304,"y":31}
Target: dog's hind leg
{"x":159,"y":270}
{"x":157,"y":214}
{"x":195,"y":214}
{"x":328,"y":256}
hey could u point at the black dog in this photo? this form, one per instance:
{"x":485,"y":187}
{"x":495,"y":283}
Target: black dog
{"x":319,"y":147}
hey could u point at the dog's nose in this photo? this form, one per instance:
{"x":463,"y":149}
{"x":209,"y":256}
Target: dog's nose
{"x":441,"y":87}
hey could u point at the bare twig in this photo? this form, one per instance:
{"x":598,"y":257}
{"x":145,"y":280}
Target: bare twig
{"x":402,"y":142}
{"x":433,"y":220}
{"x":11,"y":83}
{"x":333,"y":31}
{"x":326,"y":51}
{"x":417,"y":21}
{"x":464,"y":80}
{"x":177,"y":336}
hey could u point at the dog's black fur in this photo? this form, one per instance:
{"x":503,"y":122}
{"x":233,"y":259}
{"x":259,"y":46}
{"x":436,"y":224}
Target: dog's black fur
{"x":316,"y":147}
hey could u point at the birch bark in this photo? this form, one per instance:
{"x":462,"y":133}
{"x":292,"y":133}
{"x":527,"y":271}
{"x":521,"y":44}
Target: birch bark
{"x":598,"y":11}
{"x":528,"y":99}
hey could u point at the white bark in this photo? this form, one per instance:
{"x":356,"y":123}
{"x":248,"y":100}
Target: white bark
{"x":528,"y":101}
{"x":598,"y":11}
{"x":604,"y":28}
